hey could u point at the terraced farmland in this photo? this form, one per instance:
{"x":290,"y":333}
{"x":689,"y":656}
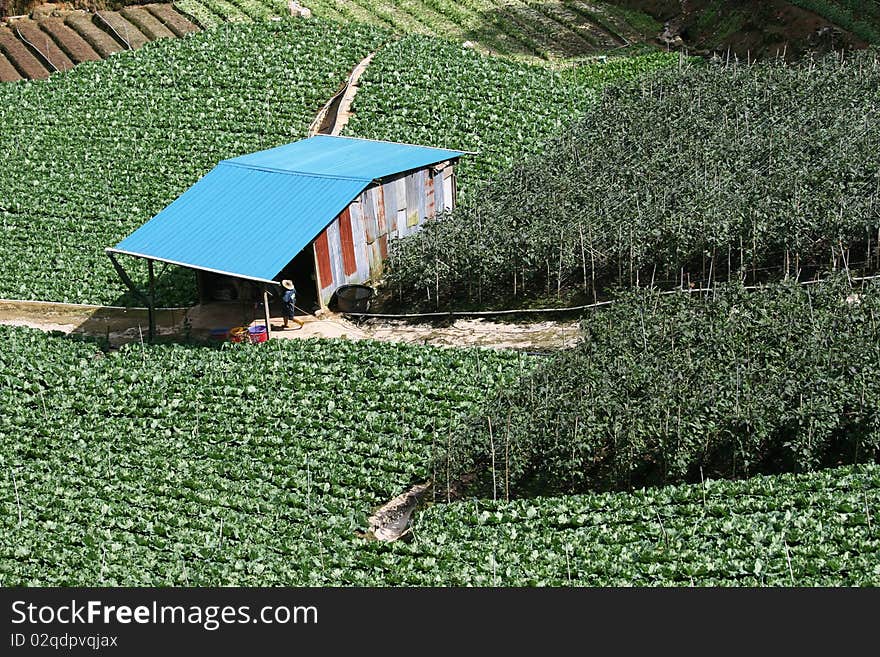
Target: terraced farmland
{"x":671,"y":388}
{"x":549,"y":30}
{"x":134,"y":131}
{"x":175,"y":465}
{"x":430,"y":91}
{"x":36,"y":48}
{"x":692,"y":175}
{"x":808,"y":530}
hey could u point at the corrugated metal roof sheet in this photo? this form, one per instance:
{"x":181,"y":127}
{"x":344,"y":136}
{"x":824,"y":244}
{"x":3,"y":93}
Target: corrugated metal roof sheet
{"x":346,"y":157}
{"x":249,"y":216}
{"x":244,"y":222}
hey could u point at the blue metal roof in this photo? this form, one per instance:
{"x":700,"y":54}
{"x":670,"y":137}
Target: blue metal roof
{"x":345,"y":157}
{"x":249,"y":216}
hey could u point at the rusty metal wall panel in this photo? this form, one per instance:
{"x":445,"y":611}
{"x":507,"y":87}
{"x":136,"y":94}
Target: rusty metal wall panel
{"x":413,"y":194}
{"x":325,"y":273}
{"x":429,"y":196}
{"x":360,"y":245}
{"x":375,"y":260}
{"x":449,"y":189}
{"x":422,"y":176}
{"x":439,"y":199}
{"x":349,"y":264}
{"x":335,"y":245}
{"x":368,"y":203}
{"x":392,"y":210}
{"x":400,"y":193}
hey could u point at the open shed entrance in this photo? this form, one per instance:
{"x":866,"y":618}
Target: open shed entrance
{"x":301,"y":270}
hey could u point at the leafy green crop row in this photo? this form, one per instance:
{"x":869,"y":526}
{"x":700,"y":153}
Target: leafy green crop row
{"x":671,"y":388}
{"x":699,"y":173}
{"x":246,"y":464}
{"x":211,"y":13}
{"x":530,"y":28}
{"x":819,"y":529}
{"x":455,"y":98}
{"x":91,"y":154}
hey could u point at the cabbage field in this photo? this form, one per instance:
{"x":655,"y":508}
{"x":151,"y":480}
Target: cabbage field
{"x":258,"y":465}
{"x":95,"y":152}
{"x":518,"y":28}
{"x":718,"y":425}
{"x":818,"y":529}
{"x":212,"y":13}
{"x":194,"y":465}
{"x":691,"y":175}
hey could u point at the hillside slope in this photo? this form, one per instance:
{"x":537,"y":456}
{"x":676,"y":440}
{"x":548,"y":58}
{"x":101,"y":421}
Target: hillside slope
{"x":751,"y":29}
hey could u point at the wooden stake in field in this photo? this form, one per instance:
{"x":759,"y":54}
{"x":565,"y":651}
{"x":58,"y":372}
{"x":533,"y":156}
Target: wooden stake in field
{"x":492,"y":446}
{"x":17,"y":498}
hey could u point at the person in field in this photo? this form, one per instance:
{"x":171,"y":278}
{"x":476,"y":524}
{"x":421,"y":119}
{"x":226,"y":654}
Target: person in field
{"x":288,"y":300}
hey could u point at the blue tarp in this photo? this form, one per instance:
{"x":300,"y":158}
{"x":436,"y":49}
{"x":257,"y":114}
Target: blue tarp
{"x":249,"y":216}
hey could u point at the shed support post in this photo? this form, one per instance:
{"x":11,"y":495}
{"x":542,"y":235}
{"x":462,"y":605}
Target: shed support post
{"x":126,"y":278}
{"x":151,"y":305}
{"x":318,"y":278}
{"x":266,"y":312}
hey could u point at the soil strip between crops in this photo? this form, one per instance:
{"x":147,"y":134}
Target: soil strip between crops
{"x":337,"y":111}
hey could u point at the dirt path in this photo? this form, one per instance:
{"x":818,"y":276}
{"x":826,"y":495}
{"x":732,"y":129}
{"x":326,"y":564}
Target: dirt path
{"x":213,"y":322}
{"x":337,"y":111}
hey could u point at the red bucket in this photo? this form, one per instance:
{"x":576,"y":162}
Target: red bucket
{"x":258,"y":334}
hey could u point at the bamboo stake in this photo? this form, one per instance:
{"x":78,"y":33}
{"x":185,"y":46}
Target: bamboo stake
{"x":17,"y":498}
{"x":507,"y":461}
{"x":584,"y":255}
{"x":492,"y":446}
{"x":788,"y":559}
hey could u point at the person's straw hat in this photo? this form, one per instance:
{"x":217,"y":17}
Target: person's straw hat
{"x":287,"y":283}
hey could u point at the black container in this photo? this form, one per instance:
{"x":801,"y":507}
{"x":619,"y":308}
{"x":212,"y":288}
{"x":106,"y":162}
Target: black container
{"x":354,"y":298}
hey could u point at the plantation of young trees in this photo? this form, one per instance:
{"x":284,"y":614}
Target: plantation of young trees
{"x":670,"y":388}
{"x":694,"y":175}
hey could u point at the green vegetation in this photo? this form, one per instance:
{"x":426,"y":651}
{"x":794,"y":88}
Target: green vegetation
{"x":257,"y":465}
{"x":457,"y":98}
{"x":199,"y":13}
{"x":810,"y":530}
{"x":861,"y":17}
{"x":91,"y":154}
{"x":241,"y":465}
{"x":672,"y":388}
{"x":550,"y":29}
{"x":719,"y":21}
{"x":94,"y":153}
{"x":210,"y":13}
{"x":695,"y":174}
